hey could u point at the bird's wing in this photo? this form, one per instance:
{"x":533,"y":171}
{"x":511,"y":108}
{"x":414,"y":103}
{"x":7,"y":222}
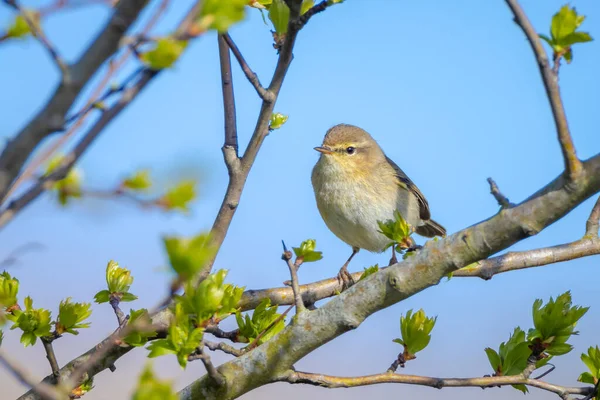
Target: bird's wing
{"x":405,"y":182}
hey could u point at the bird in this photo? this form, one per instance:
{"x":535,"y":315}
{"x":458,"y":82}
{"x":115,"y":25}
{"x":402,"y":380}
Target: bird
{"x":356,"y":184}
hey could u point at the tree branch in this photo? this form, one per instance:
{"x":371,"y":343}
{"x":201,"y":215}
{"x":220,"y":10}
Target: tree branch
{"x":303,"y":19}
{"x":591,"y":226}
{"x":51,"y":358}
{"x":502,"y":200}
{"x":573,"y":165}
{"x":200,"y":354}
{"x":224,"y":347}
{"x":293,"y":267}
{"x":231,"y":139}
{"x":114,"y":303}
{"x":37,"y":32}
{"x":328,"y":381}
{"x":251,"y":75}
{"x":51,"y":117}
{"x":400,"y":281}
{"x":42,"y":389}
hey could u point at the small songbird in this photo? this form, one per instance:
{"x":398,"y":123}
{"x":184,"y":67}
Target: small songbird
{"x":356,"y":185}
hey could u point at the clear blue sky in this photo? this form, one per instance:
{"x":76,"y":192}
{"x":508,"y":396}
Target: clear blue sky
{"x":449,"y":89}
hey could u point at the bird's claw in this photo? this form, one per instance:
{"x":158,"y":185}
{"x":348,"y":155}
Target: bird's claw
{"x":345,"y":278}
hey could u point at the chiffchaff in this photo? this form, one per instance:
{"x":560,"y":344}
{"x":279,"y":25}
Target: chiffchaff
{"x":356,"y":185}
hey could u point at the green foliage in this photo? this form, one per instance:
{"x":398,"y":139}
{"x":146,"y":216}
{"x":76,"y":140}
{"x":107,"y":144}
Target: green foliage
{"x":592,"y":361}
{"x":71,"y":317}
{"x":564,"y":34}
{"x":119,"y":281}
{"x":139,"y":337}
{"x":554,"y":324}
{"x":511,"y":359}
{"x":9,"y":289}
{"x":369,"y":271}
{"x":306,"y":252}
{"x":263,"y":316}
{"x":221,"y":14}
{"x":165,"y":52}
{"x":68,"y":187}
{"x":151,"y":388}
{"x":211,"y":299}
{"x":20,"y":28}
{"x":416,"y":332}
{"x":306,"y":5}
{"x":179,"y":196}
{"x":277,"y":121}
{"x":139,"y":181}
{"x":397,"y":230}
{"x":34,"y":322}
{"x":189,"y":255}
{"x":85,"y":387}
{"x":279,"y":14}
{"x":182,"y":339}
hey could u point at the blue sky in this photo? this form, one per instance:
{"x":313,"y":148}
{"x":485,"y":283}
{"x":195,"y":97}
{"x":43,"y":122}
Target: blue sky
{"x":449,"y":89}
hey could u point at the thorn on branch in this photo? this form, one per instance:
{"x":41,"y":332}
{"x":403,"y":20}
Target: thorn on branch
{"x":502,"y":200}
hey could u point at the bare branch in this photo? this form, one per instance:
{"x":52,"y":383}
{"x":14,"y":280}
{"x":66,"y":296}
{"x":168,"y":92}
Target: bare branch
{"x":96,"y":97}
{"x":114,"y":303}
{"x":51,"y":117}
{"x":231,"y":139}
{"x":59,"y":5}
{"x":47,"y":343}
{"x":224,"y":347}
{"x":303,"y":19}
{"x":573,"y":165}
{"x":44,"y":390}
{"x":293,"y":267}
{"x":438,"y":383}
{"x":591,"y":226}
{"x":500,"y":198}
{"x":214,"y":330}
{"x":251,"y":75}
{"x":200,"y":354}
{"x":37,"y":32}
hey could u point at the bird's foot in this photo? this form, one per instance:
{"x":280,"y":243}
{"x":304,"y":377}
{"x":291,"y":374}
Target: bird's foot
{"x":345,"y":278}
{"x":414,"y":247}
{"x":393,"y":260}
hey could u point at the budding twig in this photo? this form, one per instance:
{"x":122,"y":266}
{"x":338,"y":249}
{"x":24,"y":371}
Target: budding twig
{"x":293,"y":267}
{"x":224,"y":347}
{"x":200,"y":354}
{"x":500,"y":198}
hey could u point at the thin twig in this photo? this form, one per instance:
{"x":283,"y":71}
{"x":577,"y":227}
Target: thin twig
{"x":60,"y":5}
{"x":287,"y":257}
{"x":231,"y":139}
{"x":200,"y":354}
{"x":214,"y":330}
{"x":43,"y":389}
{"x":592,"y":224}
{"x":47,"y":343}
{"x":37,"y":32}
{"x":303,"y":19}
{"x":114,"y":303}
{"x":251,"y":75}
{"x":573,"y":165}
{"x":439,"y":383}
{"x":264,"y":332}
{"x":224,"y":347}
{"x":500,"y":198}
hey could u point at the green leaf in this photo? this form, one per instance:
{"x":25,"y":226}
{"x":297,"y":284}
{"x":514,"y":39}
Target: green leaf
{"x":84,"y":388}
{"x":20,"y":28}
{"x":102,"y":296}
{"x":277,"y":121}
{"x":263,"y":316}
{"x":565,"y":22}
{"x":34,"y":322}
{"x":139,"y":337}
{"x":592,"y":362}
{"x":179,"y":196}
{"x":397,"y":230}
{"x":306,"y":252}
{"x":494,"y":358}
{"x":118,"y":280}
{"x":164,"y":54}
{"x":70,"y":186}
{"x":369,"y":271}
{"x":586,"y":377}
{"x":140,"y":181}
{"x":416,"y":331}
{"x":306,"y":5}
{"x":221,"y":14}
{"x":9,"y":289}
{"x":211,"y":299}
{"x":279,"y":14}
{"x":576,"y":37}
{"x":189,"y":255}
{"x":71,"y":317}
{"x":151,"y":388}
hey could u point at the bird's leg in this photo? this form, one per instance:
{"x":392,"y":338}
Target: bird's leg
{"x":344,"y":276}
{"x":393,"y":260}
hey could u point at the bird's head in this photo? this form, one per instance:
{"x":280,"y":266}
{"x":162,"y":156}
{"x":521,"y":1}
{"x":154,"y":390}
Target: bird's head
{"x":350,"y":147}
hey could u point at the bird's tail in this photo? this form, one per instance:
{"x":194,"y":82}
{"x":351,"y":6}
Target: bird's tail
{"x":430,"y":228}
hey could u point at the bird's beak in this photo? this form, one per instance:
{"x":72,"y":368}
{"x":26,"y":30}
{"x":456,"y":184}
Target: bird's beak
{"x":324,"y":150}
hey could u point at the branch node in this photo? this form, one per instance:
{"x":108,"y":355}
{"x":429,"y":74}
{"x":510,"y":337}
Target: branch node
{"x":502,"y":200}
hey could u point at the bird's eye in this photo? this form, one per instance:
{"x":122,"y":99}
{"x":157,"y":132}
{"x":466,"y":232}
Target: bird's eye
{"x":350,"y":150}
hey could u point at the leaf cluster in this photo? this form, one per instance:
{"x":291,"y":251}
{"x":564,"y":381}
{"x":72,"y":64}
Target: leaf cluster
{"x":118,"y":280}
{"x":592,"y":361}
{"x":179,"y":196}
{"x":416,"y":332}
{"x":564,"y":33}
{"x":369,"y":271}
{"x":139,"y":337}
{"x":277,"y":120}
{"x":397,"y":229}
{"x":138,"y":182}
{"x":262,"y":320}
{"x":149,"y":387}
{"x":187,"y":256}
{"x":34,"y":322}
{"x":9,"y":289}
{"x":164,"y":53}
{"x":70,"y":186}
{"x":306,"y":252}
{"x":512,"y":357}
{"x":71,"y":317}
